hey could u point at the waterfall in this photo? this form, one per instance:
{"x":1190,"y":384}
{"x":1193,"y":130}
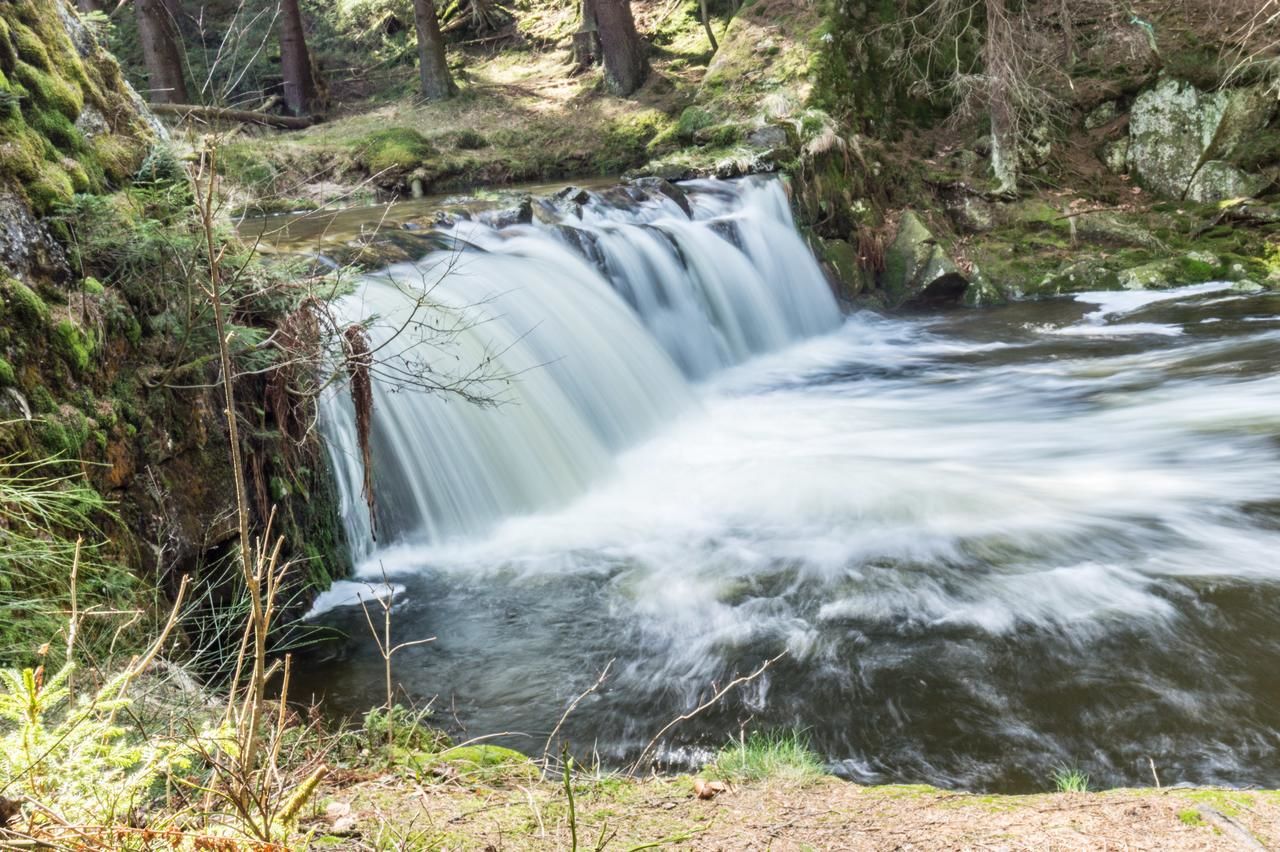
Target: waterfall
{"x":559,"y":343}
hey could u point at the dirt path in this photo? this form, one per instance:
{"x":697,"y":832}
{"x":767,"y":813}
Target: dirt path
{"x":828,"y":814}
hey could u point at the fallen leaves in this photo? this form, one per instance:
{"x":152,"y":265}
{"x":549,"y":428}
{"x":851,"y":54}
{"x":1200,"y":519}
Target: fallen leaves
{"x":708,"y":789}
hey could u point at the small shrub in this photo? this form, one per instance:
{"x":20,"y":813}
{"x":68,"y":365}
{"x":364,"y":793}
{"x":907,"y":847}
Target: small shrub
{"x":785,"y":755}
{"x":161,"y":166}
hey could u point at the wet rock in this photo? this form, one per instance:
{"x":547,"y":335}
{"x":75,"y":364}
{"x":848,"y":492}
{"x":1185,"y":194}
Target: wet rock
{"x":573,"y":195}
{"x":768,"y":138}
{"x":841,"y":264}
{"x":983,"y":293}
{"x":667,"y":188}
{"x":505,"y":217}
{"x":1079,"y":277}
{"x":26,"y":247}
{"x":663,"y":170}
{"x":917,"y":270}
{"x":1175,"y":130}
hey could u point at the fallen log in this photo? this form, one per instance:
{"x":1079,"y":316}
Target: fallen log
{"x":244,"y":116}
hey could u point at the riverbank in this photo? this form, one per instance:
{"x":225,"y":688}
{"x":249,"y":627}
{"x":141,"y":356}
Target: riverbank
{"x":826,"y":814}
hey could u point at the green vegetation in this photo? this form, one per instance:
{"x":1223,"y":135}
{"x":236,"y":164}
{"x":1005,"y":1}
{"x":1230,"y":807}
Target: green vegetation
{"x":1069,"y":779}
{"x":52,"y":553}
{"x":1190,"y":816}
{"x":784,"y":755}
{"x":396,"y":149}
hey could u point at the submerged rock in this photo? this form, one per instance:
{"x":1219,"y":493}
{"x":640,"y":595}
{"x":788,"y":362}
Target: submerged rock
{"x":917,"y":270}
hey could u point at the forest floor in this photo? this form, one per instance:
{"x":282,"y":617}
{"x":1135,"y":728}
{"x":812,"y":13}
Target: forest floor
{"x":523,"y":114}
{"x":822,"y":814}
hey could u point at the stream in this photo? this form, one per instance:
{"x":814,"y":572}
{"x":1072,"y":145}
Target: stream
{"x":988,"y":543}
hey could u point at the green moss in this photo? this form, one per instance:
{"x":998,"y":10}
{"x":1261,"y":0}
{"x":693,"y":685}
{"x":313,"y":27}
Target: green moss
{"x":397,"y":149}
{"x":93,"y":286}
{"x":488,"y":763}
{"x":1228,"y":802}
{"x":8,"y":53}
{"x":692,"y":120}
{"x":73,"y":345}
{"x":25,"y":305}
{"x":29,"y":48}
{"x":42,"y":402}
{"x":1194,"y":269}
{"x":1190,"y":816}
{"x":118,"y":156}
{"x":50,"y":91}
{"x":51,"y":188}
{"x":625,"y":143}
{"x":7,"y":376}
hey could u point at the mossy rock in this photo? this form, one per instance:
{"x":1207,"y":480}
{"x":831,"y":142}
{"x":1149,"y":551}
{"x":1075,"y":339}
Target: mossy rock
{"x":24,"y":305}
{"x":73,"y":345}
{"x":7,"y":377}
{"x":394,"y":151}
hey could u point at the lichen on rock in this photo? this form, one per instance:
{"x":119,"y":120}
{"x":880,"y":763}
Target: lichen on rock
{"x":1177,"y":131}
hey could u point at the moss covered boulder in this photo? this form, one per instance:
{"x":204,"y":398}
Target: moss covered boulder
{"x":917,"y":270}
{"x":1183,"y":141}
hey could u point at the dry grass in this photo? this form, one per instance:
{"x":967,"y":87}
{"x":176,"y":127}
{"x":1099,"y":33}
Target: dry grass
{"x":827,"y":814}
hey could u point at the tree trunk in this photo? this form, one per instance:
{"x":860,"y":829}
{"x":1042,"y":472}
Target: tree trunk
{"x":625,"y":63}
{"x":160,"y":52}
{"x":586,"y":41}
{"x":706,"y":25}
{"x":295,"y":61}
{"x":998,"y":52}
{"x":245,"y":116}
{"x":433,"y":66}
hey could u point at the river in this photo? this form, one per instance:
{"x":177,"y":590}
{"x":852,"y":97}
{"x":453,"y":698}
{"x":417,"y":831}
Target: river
{"x":989,"y":542}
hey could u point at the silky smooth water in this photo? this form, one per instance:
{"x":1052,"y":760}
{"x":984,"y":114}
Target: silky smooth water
{"x":990,"y":542}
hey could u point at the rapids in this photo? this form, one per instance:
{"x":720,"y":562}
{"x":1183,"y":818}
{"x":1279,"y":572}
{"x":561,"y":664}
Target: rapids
{"x":991,"y":542}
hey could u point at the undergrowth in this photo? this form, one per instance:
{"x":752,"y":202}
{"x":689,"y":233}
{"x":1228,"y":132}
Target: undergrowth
{"x":45,"y":575}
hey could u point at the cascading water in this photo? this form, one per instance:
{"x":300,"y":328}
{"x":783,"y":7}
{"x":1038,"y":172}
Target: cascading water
{"x":578,"y":334}
{"x":989,"y":542}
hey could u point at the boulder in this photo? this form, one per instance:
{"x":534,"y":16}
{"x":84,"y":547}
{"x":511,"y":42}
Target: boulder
{"x":970,"y":214}
{"x":1218,"y":181}
{"x":917,"y":270}
{"x":1176,"y":130}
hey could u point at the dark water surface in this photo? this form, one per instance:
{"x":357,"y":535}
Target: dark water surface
{"x":992,"y":542}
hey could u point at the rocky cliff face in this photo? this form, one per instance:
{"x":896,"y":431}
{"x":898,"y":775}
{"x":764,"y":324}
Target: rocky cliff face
{"x":100,"y":335}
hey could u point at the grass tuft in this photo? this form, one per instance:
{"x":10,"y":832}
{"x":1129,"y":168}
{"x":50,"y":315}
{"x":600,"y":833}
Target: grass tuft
{"x":1070,"y":780}
{"x":778,"y":755}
